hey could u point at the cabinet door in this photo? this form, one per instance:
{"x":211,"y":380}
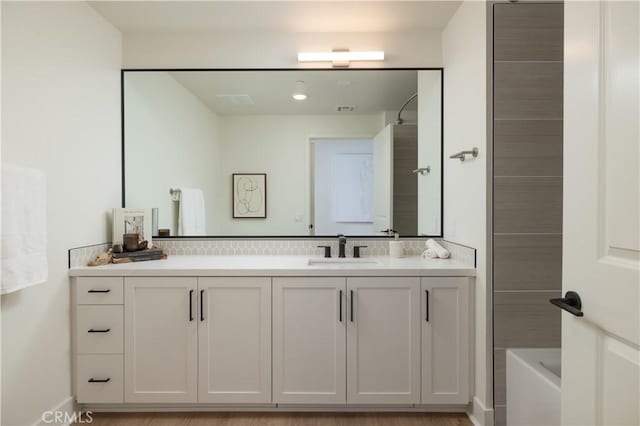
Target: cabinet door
{"x":383,"y":340}
{"x":309,"y":340}
{"x":234,"y":340}
{"x":445,"y":340}
{"x":161,"y":338}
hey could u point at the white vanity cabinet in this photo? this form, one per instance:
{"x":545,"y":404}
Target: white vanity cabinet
{"x":234,"y":340}
{"x":272,"y":341}
{"x":197,"y":340}
{"x":160,"y":339}
{"x":309,"y":343}
{"x":354,"y":341}
{"x":445,"y":340}
{"x":383,"y":340}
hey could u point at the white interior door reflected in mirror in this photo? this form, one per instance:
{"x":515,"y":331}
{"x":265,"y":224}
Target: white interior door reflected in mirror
{"x":342,"y":186}
{"x":429,"y":152}
{"x":383,"y":179}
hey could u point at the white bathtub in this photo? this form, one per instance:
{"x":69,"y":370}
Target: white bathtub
{"x":533,"y":387}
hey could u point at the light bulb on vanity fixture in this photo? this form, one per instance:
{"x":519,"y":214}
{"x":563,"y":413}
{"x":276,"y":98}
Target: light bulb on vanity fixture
{"x":300,"y":91}
{"x":341,"y":57}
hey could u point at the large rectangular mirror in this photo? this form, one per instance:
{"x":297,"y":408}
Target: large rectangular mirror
{"x":285,"y":152}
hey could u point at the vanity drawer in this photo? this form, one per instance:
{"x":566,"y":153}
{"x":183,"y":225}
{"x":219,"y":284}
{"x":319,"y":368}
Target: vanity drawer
{"x":99,"y":329}
{"x":99,"y":291}
{"x":100,"y":378}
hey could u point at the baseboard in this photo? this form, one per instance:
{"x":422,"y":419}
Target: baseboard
{"x":272,"y":408}
{"x":69,"y":410}
{"x":479,"y":414}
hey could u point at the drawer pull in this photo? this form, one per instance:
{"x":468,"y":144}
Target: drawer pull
{"x":92,"y":380}
{"x":99,"y":291}
{"x":93,"y":330}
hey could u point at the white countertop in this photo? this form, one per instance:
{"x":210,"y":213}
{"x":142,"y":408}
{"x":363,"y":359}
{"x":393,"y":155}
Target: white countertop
{"x":279,"y":266}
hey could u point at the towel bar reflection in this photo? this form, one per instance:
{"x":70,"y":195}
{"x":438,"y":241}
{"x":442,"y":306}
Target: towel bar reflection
{"x":462,"y":155}
{"x":175,"y":194}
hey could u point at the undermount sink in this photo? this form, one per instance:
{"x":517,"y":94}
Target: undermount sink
{"x":347,"y":262}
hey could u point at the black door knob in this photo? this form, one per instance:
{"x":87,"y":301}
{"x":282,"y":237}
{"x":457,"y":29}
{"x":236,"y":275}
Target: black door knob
{"x":570,"y":302}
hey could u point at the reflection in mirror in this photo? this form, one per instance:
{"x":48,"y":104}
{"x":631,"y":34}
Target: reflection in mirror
{"x":285,"y":152}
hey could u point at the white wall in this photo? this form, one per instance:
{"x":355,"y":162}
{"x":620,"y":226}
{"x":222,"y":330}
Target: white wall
{"x":172,"y":141}
{"x":246,"y":49}
{"x":60,"y":114}
{"x":464,"y":59}
{"x":279,"y":146}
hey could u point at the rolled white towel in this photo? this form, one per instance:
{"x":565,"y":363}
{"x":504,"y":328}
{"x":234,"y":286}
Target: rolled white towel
{"x":430,"y":254}
{"x":441,"y":252}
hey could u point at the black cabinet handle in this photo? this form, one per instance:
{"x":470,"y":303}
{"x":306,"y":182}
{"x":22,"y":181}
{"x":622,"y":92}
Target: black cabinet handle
{"x":99,"y":291}
{"x":93,"y":330}
{"x":351,"y":313}
{"x":426,"y":299}
{"x":190,"y":305}
{"x":340,"y":305}
{"x":570,"y":302}
{"x":92,"y":380}
{"x":201,"y":305}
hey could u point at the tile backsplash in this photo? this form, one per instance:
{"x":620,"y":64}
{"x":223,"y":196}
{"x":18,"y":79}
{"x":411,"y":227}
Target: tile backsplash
{"x":265,"y":247}
{"x":79,"y":256}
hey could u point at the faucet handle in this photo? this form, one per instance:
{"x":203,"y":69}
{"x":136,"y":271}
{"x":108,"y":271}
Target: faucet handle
{"x":356,"y":250}
{"x":327,"y":251}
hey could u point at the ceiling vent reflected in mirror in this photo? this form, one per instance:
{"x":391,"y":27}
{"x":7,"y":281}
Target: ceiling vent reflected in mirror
{"x":345,"y":108}
{"x":235,"y":99}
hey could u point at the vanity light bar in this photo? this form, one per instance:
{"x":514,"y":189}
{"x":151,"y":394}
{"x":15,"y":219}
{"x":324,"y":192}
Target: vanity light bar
{"x":341,"y":56}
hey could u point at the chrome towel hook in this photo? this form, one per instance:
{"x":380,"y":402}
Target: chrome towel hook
{"x":462,"y":154}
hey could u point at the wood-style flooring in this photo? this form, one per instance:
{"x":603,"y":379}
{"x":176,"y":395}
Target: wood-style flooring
{"x":280,"y":419}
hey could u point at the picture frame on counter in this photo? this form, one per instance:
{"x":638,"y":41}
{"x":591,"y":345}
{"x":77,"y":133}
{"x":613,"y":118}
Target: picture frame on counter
{"x":132,"y":221}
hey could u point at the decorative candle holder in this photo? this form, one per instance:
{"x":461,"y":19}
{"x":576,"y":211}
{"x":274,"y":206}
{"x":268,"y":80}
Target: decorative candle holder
{"x":131,"y":241}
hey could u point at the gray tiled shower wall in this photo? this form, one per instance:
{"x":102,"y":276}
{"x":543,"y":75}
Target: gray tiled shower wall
{"x":527,"y":180}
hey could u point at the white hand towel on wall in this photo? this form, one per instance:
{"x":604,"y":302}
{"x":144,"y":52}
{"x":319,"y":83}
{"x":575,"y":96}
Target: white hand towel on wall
{"x":191,"y":214}
{"x":24,"y":228}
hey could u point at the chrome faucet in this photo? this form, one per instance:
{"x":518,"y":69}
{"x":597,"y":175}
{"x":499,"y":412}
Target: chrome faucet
{"x":342,"y":242}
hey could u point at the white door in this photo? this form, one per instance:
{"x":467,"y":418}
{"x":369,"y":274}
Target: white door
{"x":429,"y":151}
{"x":601,"y":253}
{"x":160,"y":339}
{"x":234,"y":340}
{"x":383,"y":340}
{"x":383,"y":179}
{"x":445,"y":340}
{"x":309,"y":340}
{"x":342,"y":186}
